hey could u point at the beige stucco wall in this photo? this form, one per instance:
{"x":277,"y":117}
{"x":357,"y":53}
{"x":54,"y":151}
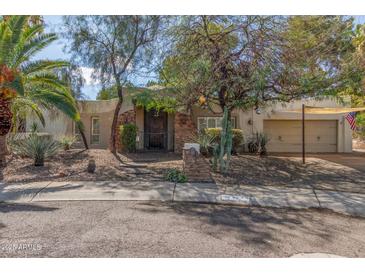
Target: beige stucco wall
{"x":276,"y":111}
{"x":104,"y":110}
{"x":59,"y":125}
{"x":56,"y":123}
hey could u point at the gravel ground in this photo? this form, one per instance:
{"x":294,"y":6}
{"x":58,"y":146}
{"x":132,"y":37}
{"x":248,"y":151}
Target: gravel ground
{"x":320,"y":172}
{"x":71,"y":166}
{"x":140,"y":229}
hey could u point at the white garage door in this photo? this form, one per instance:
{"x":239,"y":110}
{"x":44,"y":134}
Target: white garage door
{"x":286,"y":135}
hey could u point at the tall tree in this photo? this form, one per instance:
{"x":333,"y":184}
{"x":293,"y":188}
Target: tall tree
{"x":246,"y":61}
{"x":72,"y":75}
{"x":241,"y":61}
{"x":114,"y":46}
{"x":28,"y":83}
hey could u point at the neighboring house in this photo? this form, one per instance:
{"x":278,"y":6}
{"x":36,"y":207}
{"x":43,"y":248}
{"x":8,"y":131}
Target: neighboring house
{"x":169,"y":131}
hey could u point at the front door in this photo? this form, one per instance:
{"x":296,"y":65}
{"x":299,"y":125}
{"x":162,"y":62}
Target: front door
{"x":155,"y":134}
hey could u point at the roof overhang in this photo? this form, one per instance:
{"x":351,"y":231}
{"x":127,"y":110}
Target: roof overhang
{"x":323,"y":110}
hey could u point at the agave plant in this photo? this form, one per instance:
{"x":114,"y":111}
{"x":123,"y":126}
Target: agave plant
{"x":36,"y":147}
{"x":28,"y":85}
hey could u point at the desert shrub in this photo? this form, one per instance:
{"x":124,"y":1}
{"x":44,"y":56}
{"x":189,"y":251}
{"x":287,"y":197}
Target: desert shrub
{"x":257,"y":143}
{"x":206,"y":142}
{"x":34,"y":127}
{"x":263,"y":140}
{"x":175,"y":175}
{"x":128,"y":135}
{"x":237,"y":136}
{"x":36,"y":147}
{"x":67,"y":142}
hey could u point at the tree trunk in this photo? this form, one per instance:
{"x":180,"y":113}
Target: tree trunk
{"x":82,"y":133}
{"x":113,"y":145}
{"x":3,"y":150}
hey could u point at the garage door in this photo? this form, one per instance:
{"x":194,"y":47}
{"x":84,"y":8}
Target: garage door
{"x":286,"y":135}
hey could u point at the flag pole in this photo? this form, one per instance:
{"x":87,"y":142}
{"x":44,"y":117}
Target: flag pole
{"x":303,"y":133}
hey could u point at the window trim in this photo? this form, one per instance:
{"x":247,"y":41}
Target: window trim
{"x":92,"y":130}
{"x":205,"y":118}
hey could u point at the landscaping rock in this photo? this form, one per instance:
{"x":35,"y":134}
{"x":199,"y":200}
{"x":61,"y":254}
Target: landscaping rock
{"x":91,"y":166}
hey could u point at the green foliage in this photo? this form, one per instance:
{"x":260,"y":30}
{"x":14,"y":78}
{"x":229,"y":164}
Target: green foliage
{"x":206,"y":142}
{"x":216,"y":57}
{"x":107,"y":93}
{"x":155,"y":99}
{"x":225,"y":147}
{"x":222,"y":149}
{"x":67,"y":142}
{"x":237,"y":136}
{"x":128,"y":135}
{"x":257,"y":143}
{"x":21,"y":38}
{"x":176,"y":176}
{"x":36,"y":147}
{"x":34,"y":128}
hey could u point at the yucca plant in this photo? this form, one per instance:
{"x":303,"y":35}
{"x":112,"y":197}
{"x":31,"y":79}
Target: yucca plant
{"x":263,"y":140}
{"x":28,"y":85}
{"x":36,"y":147}
{"x":67,"y":142}
{"x":206,"y":142}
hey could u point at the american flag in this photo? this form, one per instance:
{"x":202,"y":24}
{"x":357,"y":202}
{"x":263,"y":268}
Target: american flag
{"x":351,"y":118}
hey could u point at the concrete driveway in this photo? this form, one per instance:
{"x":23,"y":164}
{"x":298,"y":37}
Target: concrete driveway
{"x":355,"y":160}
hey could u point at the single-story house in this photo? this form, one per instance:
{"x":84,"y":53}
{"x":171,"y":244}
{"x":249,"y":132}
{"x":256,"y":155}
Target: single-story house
{"x":169,"y":131}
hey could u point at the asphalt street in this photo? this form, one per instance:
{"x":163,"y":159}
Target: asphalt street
{"x":156,"y":229}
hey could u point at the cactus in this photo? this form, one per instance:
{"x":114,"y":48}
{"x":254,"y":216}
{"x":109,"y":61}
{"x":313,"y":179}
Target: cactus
{"x":228,"y":145}
{"x":225,"y":146}
{"x":215,"y":156}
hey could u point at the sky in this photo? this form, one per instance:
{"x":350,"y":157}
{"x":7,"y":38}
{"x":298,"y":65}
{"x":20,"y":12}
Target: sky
{"x":56,"y":51}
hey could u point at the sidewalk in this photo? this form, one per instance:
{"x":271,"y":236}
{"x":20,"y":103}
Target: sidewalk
{"x":279,"y":197}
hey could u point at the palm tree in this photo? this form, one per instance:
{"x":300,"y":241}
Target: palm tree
{"x":28,"y":84}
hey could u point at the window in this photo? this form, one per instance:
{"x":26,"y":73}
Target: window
{"x":213,"y":122}
{"x":95,"y":130}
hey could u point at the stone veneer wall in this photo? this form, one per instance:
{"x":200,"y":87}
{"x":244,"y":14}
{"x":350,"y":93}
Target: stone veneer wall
{"x":195,"y":166}
{"x":184,"y":132}
{"x":128,"y":117}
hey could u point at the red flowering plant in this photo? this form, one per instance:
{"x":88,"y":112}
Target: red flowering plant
{"x":8,"y":82}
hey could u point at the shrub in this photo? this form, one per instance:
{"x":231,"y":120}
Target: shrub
{"x":128,"y":135}
{"x":257,"y":143}
{"x":237,"y":136}
{"x":206,"y":143}
{"x":175,"y":175}
{"x":67,"y":142}
{"x":36,"y":147}
{"x":263,"y":140}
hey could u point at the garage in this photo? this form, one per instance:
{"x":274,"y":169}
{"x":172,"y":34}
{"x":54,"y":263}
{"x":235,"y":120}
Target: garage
{"x":286,"y":135}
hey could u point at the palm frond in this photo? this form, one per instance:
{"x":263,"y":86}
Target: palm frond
{"x":41,"y":66}
{"x":61,"y":101}
{"x":23,"y":106}
{"x":49,"y":80}
{"x":31,"y":47}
